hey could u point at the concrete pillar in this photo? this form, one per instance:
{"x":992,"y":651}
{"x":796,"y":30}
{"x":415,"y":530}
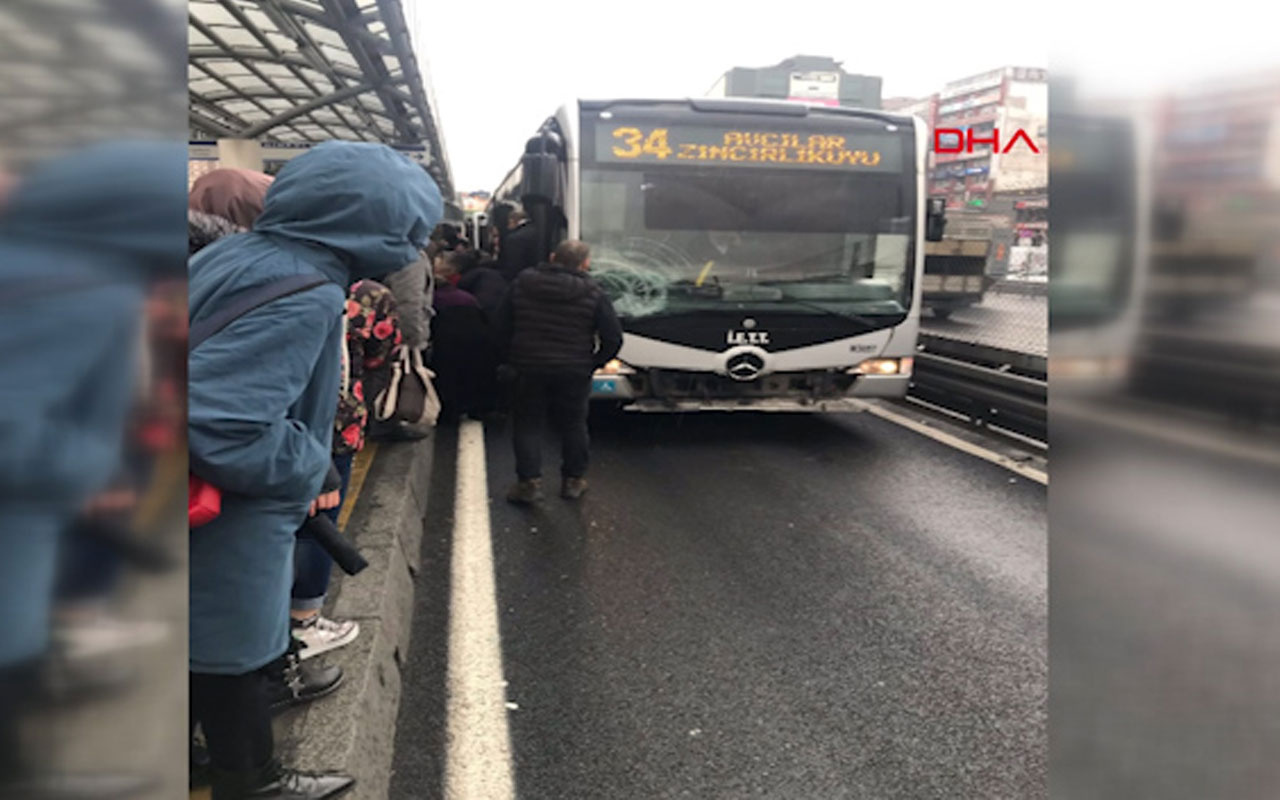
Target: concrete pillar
{"x":242,"y":153}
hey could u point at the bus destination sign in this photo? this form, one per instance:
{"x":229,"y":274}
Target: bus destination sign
{"x":695,"y":145}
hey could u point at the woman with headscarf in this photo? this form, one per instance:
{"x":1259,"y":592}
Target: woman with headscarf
{"x":222,"y":202}
{"x":463,"y":349}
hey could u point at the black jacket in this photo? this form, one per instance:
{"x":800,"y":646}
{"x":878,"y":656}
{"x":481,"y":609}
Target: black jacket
{"x":551,"y":318}
{"x":487,"y":285}
{"x":518,"y":250}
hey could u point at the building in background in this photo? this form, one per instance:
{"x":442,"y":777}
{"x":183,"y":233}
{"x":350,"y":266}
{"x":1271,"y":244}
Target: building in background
{"x":926,"y":108}
{"x":1008,"y":99}
{"x":475,"y":202}
{"x":809,"y":79}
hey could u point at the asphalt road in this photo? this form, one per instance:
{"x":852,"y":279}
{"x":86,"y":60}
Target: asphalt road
{"x":1008,"y":321}
{"x":754,"y":606}
{"x":1165,"y":568}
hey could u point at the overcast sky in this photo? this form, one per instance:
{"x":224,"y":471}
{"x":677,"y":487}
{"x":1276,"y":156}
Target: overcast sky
{"x":499,"y":70}
{"x":499,"y":67}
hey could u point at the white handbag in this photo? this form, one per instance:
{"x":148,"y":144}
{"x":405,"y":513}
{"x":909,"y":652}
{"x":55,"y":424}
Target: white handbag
{"x":410,"y":395}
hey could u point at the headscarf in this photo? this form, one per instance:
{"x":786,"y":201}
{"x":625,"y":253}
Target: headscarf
{"x":231,"y":193}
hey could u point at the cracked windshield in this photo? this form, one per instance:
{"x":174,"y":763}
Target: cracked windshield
{"x":685,"y":219}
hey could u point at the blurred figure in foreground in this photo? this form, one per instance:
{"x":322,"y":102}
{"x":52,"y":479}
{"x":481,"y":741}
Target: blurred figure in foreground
{"x":80,"y":239}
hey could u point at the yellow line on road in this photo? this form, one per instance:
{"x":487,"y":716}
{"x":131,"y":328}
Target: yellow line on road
{"x":359,"y":471}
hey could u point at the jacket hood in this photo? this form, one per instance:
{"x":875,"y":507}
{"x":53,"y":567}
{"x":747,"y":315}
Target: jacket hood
{"x":365,"y":202}
{"x":120,"y":201}
{"x":554,"y":283}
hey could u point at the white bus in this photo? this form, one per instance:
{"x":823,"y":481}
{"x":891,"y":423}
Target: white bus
{"x":762,"y":255}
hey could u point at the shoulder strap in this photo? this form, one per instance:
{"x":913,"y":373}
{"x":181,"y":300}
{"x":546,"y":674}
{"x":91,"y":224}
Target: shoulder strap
{"x":247,"y":301}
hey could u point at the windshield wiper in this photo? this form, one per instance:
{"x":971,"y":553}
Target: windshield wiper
{"x":692,"y":289}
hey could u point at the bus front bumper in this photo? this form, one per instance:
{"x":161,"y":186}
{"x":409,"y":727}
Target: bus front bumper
{"x":621,"y":389}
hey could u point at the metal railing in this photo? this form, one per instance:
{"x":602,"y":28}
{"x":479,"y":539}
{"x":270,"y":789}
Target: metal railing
{"x":988,"y":386}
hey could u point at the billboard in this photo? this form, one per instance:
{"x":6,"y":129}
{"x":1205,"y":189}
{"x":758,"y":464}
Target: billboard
{"x":815,"y":87}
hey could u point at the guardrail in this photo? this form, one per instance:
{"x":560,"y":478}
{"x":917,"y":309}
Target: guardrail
{"x":988,"y":385}
{"x":1026,"y":288}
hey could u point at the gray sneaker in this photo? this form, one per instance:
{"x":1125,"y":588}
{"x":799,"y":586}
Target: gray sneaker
{"x":525,"y":492}
{"x":573,"y":488}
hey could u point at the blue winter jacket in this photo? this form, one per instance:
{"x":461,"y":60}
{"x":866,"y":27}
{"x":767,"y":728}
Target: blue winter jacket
{"x":263,"y":391}
{"x":80,"y":237}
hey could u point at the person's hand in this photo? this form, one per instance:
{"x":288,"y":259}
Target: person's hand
{"x":325,"y":502}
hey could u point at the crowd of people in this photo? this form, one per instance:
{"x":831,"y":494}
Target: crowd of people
{"x":304,"y":290}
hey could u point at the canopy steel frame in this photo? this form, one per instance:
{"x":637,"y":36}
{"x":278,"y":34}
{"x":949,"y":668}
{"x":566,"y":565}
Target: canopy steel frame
{"x":286,"y":57}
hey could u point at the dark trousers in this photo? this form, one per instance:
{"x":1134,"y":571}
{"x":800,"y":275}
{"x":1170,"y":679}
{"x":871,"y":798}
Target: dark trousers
{"x":234,"y":714}
{"x":563,"y":396}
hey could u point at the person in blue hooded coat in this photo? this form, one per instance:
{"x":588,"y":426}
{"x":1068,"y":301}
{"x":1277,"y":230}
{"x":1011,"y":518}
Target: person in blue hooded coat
{"x":80,"y":238}
{"x":262,"y":397}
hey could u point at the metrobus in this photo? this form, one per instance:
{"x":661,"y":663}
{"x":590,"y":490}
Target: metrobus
{"x":762,"y":255}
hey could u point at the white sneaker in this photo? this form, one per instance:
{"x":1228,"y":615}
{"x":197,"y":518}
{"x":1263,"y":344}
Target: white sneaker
{"x":319,"y":634}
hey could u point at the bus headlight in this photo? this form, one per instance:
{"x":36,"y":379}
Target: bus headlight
{"x":884,"y":366}
{"x":616,"y":367}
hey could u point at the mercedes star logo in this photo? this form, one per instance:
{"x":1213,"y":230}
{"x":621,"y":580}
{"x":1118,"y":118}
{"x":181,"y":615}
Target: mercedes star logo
{"x":745,"y":366}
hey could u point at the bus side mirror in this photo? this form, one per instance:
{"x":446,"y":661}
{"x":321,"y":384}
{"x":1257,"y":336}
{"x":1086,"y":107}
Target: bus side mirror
{"x":541,"y":169}
{"x":935,"y":221}
{"x":540,"y":178}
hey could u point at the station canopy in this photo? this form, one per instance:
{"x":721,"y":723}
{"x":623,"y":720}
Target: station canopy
{"x":75,"y":72}
{"x":294,"y":72}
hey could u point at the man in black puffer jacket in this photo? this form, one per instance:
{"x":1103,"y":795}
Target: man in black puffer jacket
{"x":549,"y":324}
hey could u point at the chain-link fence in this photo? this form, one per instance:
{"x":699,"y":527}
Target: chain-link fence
{"x":1012,"y":315}
{"x":986,"y":284}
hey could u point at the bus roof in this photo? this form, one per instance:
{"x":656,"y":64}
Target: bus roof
{"x":735,"y":105}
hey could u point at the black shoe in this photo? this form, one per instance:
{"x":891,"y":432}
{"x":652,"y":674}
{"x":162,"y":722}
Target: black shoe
{"x":85,"y":786}
{"x":297,"y":682}
{"x":277,"y":783}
